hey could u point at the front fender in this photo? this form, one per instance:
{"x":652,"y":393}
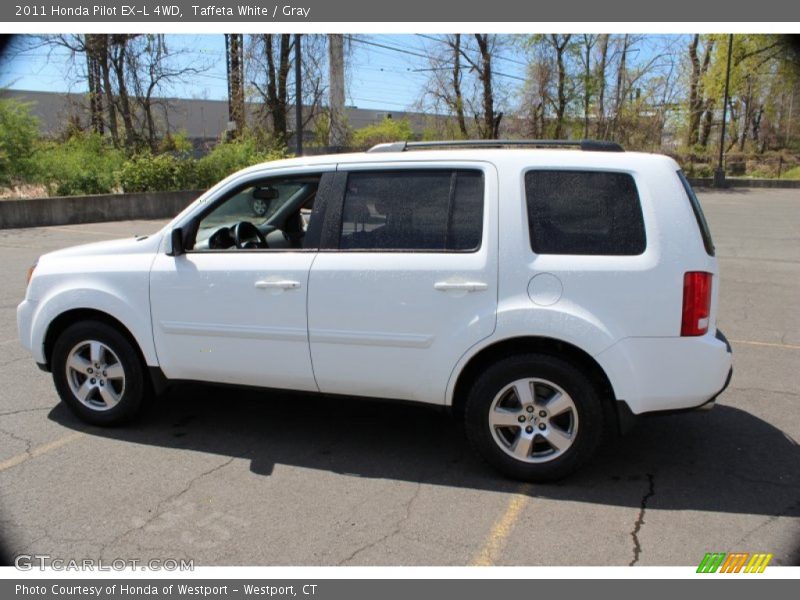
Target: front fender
{"x":131,"y":308}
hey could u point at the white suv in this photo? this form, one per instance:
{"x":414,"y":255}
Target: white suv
{"x":546,"y":294}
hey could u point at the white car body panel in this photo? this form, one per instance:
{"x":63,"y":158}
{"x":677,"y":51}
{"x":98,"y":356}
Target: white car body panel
{"x":378,"y":318}
{"x":109,"y":277}
{"x":375,"y":325}
{"x":212,"y":322}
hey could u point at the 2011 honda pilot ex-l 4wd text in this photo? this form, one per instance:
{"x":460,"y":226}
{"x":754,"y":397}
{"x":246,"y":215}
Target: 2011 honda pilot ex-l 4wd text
{"x":546,"y":294}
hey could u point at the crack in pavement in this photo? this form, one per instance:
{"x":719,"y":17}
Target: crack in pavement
{"x":28,"y":443}
{"x":637,"y":527}
{"x":395,"y":531}
{"x":24,"y":410}
{"x":764,"y":390}
{"x":780,"y":484}
{"x":768,"y":521}
{"x":157,"y":510}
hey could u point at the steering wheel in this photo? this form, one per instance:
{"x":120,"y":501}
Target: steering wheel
{"x":247,"y":235}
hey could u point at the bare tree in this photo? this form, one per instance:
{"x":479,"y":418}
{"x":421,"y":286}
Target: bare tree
{"x":559,"y":44}
{"x":698,"y":103}
{"x":270,"y":61}
{"x":602,"y":64}
{"x":458,"y":95}
{"x":337,"y":132}
{"x":589,"y":84}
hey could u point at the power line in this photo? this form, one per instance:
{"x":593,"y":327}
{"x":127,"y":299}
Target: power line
{"x":496,"y":56}
{"x":417,"y":54}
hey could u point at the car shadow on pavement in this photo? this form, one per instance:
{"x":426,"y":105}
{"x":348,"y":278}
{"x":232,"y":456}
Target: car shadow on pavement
{"x":725,"y":460}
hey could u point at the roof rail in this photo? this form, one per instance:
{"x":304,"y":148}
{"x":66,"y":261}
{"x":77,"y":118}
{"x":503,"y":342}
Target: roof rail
{"x":586,"y":145}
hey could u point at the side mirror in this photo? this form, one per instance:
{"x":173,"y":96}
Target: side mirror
{"x":176,"y":242}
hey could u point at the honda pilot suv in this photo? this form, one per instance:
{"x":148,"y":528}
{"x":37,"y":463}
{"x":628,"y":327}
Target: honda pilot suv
{"x":547,"y":292}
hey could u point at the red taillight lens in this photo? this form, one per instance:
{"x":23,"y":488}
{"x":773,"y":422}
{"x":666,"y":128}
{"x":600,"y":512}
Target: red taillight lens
{"x":696,"y":303}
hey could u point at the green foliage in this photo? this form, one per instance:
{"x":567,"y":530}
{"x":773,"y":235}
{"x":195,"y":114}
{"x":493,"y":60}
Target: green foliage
{"x":86,"y":163}
{"x":177,"y":171}
{"x":793,"y":173}
{"x":176,"y":142}
{"x":229,"y":157}
{"x":389,"y":130}
{"x":19,"y":131}
{"x":159,"y":172}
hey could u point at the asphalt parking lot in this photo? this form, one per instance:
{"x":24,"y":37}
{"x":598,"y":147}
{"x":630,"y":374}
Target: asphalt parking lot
{"x":233,"y":478}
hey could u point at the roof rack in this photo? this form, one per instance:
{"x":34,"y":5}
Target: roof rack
{"x":585,"y":145}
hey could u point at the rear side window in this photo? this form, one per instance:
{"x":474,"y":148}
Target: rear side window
{"x":436,"y":210}
{"x":584,"y":212}
{"x":698,"y":214}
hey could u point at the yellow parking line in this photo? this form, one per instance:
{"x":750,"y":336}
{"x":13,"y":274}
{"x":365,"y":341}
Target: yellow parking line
{"x":39,"y":450}
{"x":500,"y":531}
{"x":768,"y":344}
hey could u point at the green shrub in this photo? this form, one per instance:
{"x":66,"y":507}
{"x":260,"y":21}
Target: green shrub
{"x":86,"y":163}
{"x":229,"y":157}
{"x":176,"y":142}
{"x":158,"y":173}
{"x":389,"y":130}
{"x":793,"y":173}
{"x":19,"y":131}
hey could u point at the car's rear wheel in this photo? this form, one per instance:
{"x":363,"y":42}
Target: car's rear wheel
{"x":98,"y":373}
{"x":534,"y":417}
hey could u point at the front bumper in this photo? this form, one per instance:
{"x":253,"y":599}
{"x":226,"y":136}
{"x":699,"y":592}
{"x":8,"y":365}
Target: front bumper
{"x":25,"y":312}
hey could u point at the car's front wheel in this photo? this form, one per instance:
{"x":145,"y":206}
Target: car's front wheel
{"x":534,"y":417}
{"x":98,"y":373}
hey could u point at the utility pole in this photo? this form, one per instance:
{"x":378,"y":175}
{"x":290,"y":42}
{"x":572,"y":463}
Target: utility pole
{"x":234,"y":57}
{"x":719,"y":174}
{"x":338,"y":126}
{"x":298,"y":95}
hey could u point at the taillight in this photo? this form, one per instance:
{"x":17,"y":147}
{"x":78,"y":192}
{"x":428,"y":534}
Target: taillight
{"x":696,"y":303}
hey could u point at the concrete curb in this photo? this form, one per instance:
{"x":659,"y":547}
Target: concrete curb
{"x":69,"y":210}
{"x":743,"y":182}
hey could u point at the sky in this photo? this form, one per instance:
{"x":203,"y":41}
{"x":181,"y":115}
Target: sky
{"x":383,"y":70}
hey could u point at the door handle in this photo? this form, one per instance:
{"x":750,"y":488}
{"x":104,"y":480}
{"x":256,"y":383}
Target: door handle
{"x":282,"y":284}
{"x":463,"y":286}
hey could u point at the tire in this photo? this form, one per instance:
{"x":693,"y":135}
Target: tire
{"x":109,"y":395}
{"x":556,"y":437}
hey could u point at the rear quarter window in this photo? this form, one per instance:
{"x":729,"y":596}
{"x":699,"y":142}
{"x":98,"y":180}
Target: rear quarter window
{"x":584,"y":212}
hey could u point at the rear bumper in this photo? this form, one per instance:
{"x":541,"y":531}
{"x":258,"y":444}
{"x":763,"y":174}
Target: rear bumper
{"x":665,"y":374}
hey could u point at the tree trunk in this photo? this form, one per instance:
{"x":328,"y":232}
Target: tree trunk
{"x":587,"y":77}
{"x":337,"y":135}
{"x":118,"y":65}
{"x":94,"y":50}
{"x":491,"y":121}
{"x":109,"y":92}
{"x":621,"y":91}
{"x":560,"y":47}
{"x":708,"y":121}
{"x":276,"y":96}
{"x":459,"y":98}
{"x":695,"y":101}
{"x":601,"y":85}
